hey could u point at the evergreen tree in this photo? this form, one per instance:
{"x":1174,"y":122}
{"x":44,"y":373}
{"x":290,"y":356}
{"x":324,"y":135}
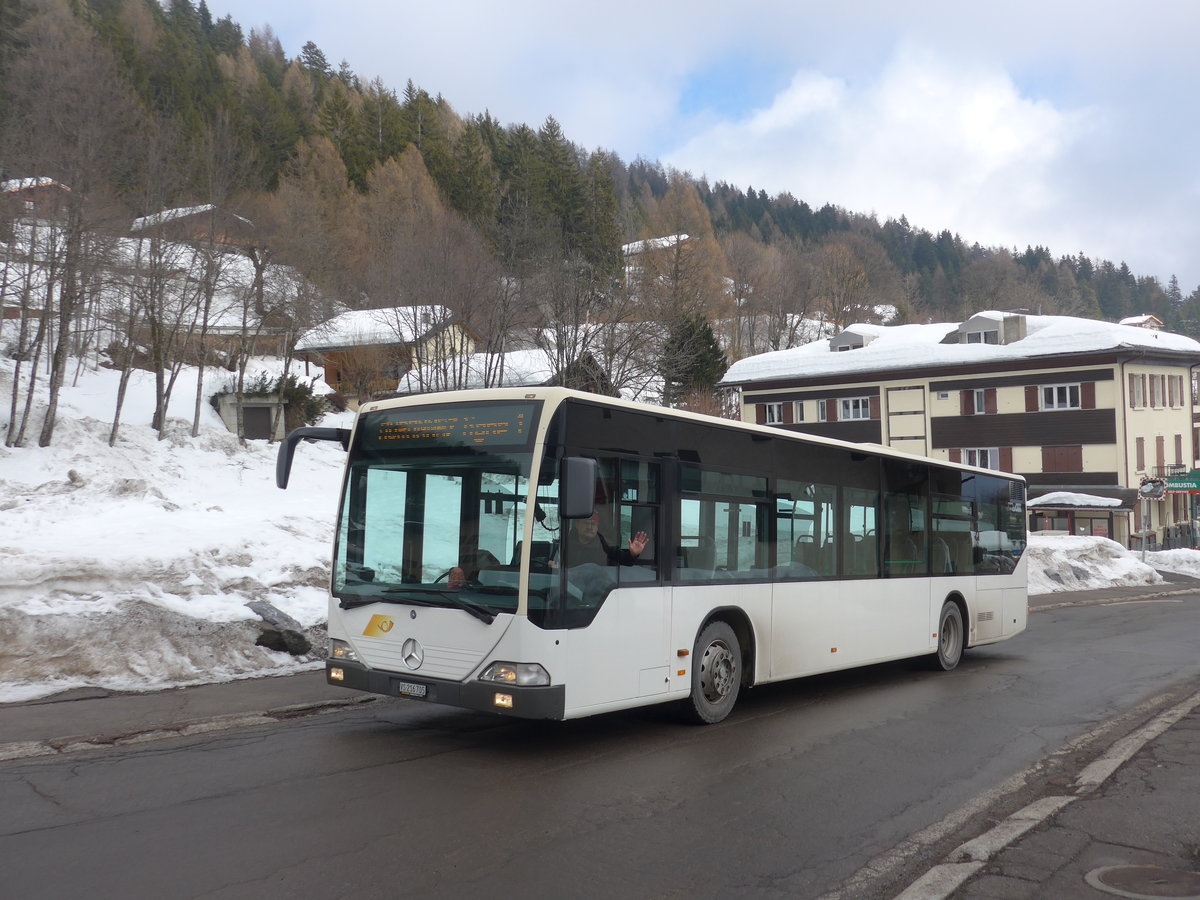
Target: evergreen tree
{"x":473,"y":192}
{"x":601,"y":239}
{"x":382,"y":122}
{"x":225,"y":36}
{"x":314,"y":60}
{"x":562,"y":186}
{"x":692,"y":361}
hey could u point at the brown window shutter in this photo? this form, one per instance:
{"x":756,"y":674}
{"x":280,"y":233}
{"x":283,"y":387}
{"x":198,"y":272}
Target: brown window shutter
{"x":989,"y":402}
{"x":956,"y":455}
{"x":1140,"y":443}
{"x":831,"y":410}
{"x":1179,"y":449}
{"x":1070,"y":459}
{"x":1031,"y":398}
{"x":874,"y":407}
{"x":1160,"y":452}
{"x":1087,"y":395}
{"x":789,"y":412}
{"x":760,"y":413}
{"x":1132,"y":388}
{"x":1006,"y":460}
{"x":966,"y":403}
{"x":1048,"y":461}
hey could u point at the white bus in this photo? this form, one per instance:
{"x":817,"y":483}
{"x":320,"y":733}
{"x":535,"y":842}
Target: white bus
{"x":465,"y":571}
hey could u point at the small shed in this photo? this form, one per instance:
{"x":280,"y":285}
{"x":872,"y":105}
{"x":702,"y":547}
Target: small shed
{"x":1096,"y":514}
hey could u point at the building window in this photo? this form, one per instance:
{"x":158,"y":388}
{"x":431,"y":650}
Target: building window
{"x":983,"y":457}
{"x":798,"y":415}
{"x":1175,"y":383}
{"x":856,"y":408}
{"x":981,"y":337}
{"x":774,"y":413}
{"x":1060,"y":396}
{"x":1137,"y":391}
{"x":822,"y":414}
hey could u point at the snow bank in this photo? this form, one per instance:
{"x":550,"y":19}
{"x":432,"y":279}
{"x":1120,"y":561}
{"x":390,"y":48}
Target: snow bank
{"x":1066,"y":563}
{"x":1181,"y":562}
{"x":129,"y":567}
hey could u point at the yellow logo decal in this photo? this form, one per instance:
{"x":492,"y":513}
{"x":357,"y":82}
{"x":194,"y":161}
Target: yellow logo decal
{"x":378,"y":626}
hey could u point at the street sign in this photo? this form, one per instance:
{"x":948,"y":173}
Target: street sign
{"x":1184,"y":484}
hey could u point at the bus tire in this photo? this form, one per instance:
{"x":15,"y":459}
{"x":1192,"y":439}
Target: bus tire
{"x":951,"y":637}
{"x":716,"y":674}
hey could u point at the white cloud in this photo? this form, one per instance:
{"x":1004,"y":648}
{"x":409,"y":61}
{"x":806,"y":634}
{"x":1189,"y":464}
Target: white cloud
{"x":950,"y":147}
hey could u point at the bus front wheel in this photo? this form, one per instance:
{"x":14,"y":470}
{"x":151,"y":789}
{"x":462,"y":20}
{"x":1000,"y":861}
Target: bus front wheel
{"x":950,"y":636}
{"x":716,"y":674}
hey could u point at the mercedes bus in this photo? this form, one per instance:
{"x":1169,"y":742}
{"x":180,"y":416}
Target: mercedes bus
{"x":546,"y":553}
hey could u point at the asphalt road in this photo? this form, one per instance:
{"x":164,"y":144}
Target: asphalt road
{"x":849,"y":783}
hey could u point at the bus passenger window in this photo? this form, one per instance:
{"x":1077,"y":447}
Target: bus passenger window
{"x":805,"y":533}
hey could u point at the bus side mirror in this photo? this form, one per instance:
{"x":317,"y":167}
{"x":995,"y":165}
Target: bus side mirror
{"x":578,"y":487}
{"x":287,"y":449}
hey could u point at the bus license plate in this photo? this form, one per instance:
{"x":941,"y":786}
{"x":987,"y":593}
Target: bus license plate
{"x":408,"y":689}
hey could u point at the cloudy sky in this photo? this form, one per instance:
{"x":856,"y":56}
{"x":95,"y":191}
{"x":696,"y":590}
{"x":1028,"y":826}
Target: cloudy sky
{"x":1068,"y":124}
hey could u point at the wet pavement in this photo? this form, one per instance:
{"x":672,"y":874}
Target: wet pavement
{"x":1128,"y":826}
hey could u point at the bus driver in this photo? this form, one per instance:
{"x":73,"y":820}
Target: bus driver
{"x":585,"y":544}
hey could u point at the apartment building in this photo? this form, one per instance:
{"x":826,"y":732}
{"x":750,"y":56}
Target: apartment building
{"x":1085,"y":410}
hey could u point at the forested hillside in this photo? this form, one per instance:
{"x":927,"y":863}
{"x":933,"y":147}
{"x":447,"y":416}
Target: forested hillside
{"x":382,"y":195}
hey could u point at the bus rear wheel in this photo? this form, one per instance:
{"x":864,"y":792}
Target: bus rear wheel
{"x":950,"y":636}
{"x":716,"y":674}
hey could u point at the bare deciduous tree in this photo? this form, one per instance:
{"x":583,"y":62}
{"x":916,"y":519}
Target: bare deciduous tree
{"x":71,"y":119}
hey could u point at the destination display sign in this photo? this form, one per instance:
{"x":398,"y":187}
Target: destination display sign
{"x":450,"y":425}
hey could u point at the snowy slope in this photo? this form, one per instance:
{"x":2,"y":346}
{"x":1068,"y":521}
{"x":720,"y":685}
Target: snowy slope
{"x":129,"y":567}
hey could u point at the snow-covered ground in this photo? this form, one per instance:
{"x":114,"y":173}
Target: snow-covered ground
{"x":129,"y":567}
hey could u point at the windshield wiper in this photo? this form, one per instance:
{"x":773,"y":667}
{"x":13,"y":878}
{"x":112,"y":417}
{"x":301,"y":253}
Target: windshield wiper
{"x":482,"y":613}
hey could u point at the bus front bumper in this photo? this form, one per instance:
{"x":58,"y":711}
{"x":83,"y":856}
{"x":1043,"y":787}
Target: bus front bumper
{"x":485,"y":696}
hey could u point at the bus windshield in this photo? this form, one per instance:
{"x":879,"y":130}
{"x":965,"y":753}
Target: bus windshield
{"x":434,"y":509}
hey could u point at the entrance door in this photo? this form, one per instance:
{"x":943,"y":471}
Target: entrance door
{"x":257,"y":421}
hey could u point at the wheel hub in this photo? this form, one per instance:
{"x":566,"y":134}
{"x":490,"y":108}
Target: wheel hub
{"x":719,"y":671}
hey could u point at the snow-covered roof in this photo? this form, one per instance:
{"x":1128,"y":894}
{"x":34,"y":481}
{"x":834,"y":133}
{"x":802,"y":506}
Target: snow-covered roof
{"x":24,"y":184}
{"x":370,"y":327}
{"x":658,"y":243}
{"x":170,"y":215}
{"x":1074,"y":500}
{"x":1145,"y":321}
{"x":517,"y":368}
{"x":901,"y":347}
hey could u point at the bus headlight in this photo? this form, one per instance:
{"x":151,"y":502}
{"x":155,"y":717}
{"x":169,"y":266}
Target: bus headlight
{"x":341,"y":650}
{"x":525,"y":674}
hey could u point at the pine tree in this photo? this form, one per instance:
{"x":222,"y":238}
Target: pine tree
{"x":314,"y":60}
{"x":474,"y":189}
{"x":601,"y":239}
{"x":692,"y":361}
{"x":562,"y":186}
